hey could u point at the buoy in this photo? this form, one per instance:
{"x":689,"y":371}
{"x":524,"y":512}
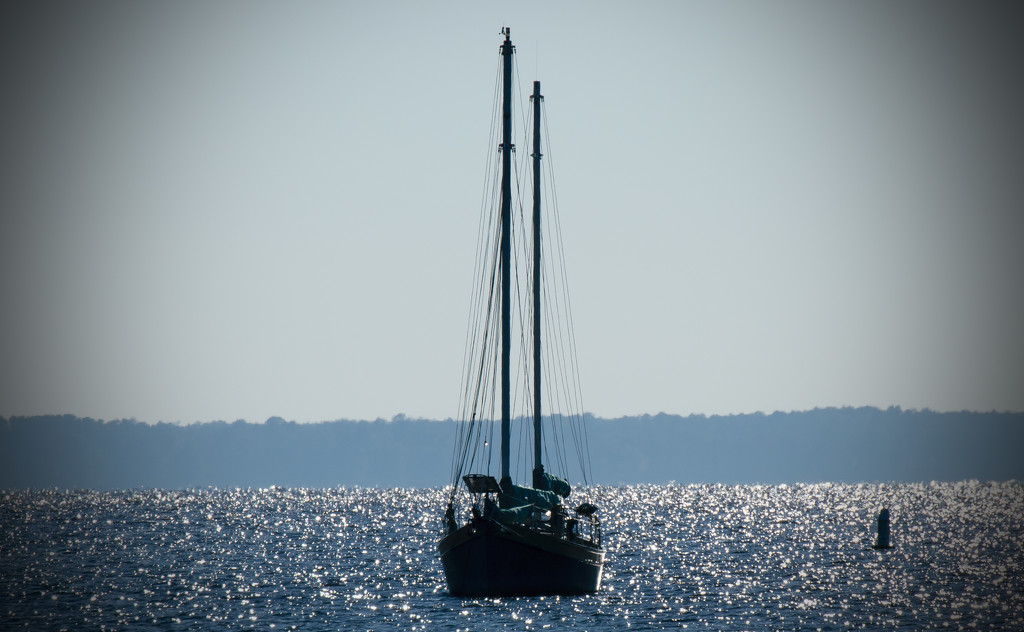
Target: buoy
{"x":883,"y":530}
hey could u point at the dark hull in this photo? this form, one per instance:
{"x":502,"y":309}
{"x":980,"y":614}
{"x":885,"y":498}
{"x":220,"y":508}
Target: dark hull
{"x":488,"y":559}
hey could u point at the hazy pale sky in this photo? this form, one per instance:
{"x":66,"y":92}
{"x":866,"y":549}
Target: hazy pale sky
{"x":239,"y":210}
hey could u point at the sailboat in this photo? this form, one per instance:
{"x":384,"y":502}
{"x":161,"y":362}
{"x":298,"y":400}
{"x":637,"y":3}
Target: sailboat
{"x":515,"y":539}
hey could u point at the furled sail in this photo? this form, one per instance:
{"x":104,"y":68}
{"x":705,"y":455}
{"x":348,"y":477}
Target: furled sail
{"x":557,"y":484}
{"x":516,"y":495}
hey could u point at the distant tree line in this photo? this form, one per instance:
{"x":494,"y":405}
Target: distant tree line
{"x":832,"y":444}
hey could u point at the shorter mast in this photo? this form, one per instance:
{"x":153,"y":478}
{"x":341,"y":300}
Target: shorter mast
{"x":538,"y":466}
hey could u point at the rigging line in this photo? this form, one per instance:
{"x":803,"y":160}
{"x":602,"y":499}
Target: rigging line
{"x":468,"y":409}
{"x":475,"y":441}
{"x":558,"y":438}
{"x":574,"y":429}
{"x":522,"y":377}
{"x":476,"y":312}
{"x":555,"y":358}
{"x":554,"y":378}
{"x":525,"y":291}
{"x":473,"y":395}
{"x":573,"y":352}
{"x":555,"y":349}
{"x":564,"y":279}
{"x":478,"y":421}
{"x":573,"y":392}
{"x":480,"y":406}
{"x":493,"y":400}
{"x":554,"y":365}
{"x":486,"y":218}
{"x":491,"y":354}
{"x":488,"y":251}
{"x":490,"y":174}
{"x":522,"y":292}
{"x":486,"y":298}
{"x":481,"y":371}
{"x":564,"y":385}
{"x":557,"y":431}
{"x":463,"y":434}
{"x":524,"y":112}
{"x":558,"y":421}
{"x":550,"y":368}
{"x":520,"y":460}
{"x":553,"y":448}
{"x":522,"y":174}
{"x":553,"y":464}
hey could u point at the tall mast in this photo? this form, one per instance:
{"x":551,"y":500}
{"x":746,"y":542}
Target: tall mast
{"x":506,"y":252}
{"x":538,"y":466}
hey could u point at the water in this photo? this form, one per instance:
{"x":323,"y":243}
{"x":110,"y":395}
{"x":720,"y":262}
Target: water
{"x":700,"y":557}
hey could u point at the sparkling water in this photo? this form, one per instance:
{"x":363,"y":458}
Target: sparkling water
{"x":697,"y":557}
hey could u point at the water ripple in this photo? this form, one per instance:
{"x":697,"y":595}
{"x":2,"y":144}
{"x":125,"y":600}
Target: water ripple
{"x":679,"y":557}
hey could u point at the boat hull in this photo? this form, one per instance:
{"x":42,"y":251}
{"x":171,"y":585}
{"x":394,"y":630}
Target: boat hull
{"x":487,"y":559}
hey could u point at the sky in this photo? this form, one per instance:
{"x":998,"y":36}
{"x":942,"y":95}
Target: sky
{"x":220,"y":211}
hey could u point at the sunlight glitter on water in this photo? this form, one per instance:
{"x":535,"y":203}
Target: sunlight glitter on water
{"x":699,"y":556}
